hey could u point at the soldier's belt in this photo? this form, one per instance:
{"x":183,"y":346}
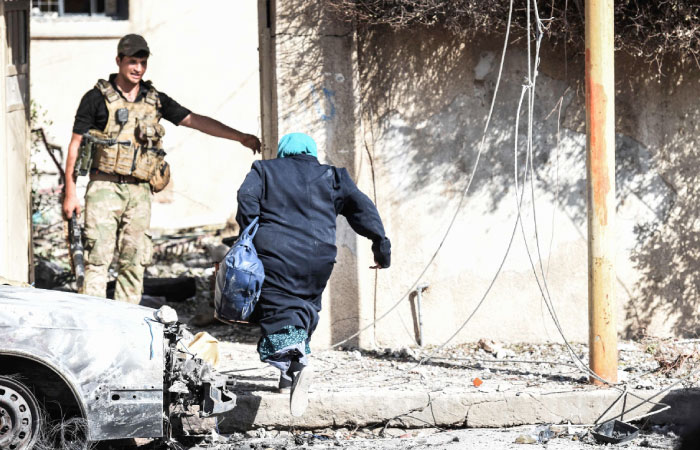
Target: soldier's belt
{"x":96,"y":175}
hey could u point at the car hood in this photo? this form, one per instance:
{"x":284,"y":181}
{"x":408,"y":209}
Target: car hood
{"x":39,"y":308}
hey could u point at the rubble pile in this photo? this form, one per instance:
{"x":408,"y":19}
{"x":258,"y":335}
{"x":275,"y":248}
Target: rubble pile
{"x":379,"y":437}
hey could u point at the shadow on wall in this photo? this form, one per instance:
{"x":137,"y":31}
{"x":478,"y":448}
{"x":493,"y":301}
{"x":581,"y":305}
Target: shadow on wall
{"x":668,"y":251}
{"x":662,"y":111}
{"x":425,"y":94}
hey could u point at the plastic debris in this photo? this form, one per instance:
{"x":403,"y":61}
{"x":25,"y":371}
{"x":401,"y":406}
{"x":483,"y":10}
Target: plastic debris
{"x":614,"y":432}
{"x":544,"y":433}
{"x":206,"y":347}
{"x":525,"y":439}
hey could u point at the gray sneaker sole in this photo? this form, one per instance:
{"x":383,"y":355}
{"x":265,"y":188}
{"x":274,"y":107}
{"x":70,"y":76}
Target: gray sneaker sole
{"x":299,"y":399}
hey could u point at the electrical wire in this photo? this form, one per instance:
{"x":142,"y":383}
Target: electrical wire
{"x":543,"y":287}
{"x":462,"y":198}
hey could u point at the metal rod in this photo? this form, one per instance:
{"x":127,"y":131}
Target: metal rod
{"x":419,"y":297}
{"x":600,"y":162}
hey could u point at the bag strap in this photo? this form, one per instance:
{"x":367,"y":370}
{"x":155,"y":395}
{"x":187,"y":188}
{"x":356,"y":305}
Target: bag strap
{"x":251,"y":229}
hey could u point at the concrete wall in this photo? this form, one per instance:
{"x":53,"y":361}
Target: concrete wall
{"x":204,"y":55}
{"x":313,"y":88}
{"x":15,"y":228}
{"x":407,"y":119}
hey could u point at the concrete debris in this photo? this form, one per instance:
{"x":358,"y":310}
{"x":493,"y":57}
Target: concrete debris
{"x":166,"y":315}
{"x":487,"y":345}
{"x":424,"y":439}
{"x":178,"y":387}
{"x":495,"y":349}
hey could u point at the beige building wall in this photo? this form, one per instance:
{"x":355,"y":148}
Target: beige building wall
{"x":309,"y":85}
{"x":204,"y":55}
{"x":15,"y":189}
{"x":405,"y":110}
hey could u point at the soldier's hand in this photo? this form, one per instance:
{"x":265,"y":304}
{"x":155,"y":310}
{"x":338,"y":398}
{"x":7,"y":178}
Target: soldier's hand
{"x":70,"y":204}
{"x":252,"y":142}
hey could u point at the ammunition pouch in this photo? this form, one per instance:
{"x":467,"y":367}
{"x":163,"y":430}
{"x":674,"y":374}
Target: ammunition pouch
{"x":161,"y":177}
{"x":150,"y":156}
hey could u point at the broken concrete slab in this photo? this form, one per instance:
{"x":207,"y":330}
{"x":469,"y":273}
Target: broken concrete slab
{"x":442,"y":409}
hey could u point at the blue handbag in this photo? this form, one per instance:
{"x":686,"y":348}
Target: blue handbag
{"x":240,"y":278}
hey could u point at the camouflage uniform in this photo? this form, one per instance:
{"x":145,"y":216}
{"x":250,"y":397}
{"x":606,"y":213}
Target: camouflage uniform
{"x":117,"y":215}
{"x":118,"y":198}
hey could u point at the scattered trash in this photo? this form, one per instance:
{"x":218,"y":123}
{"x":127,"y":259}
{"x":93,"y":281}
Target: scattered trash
{"x":615,"y":432}
{"x":478,"y":382}
{"x":487,"y":345}
{"x":206,"y":347}
{"x":495,"y":349}
{"x":544,"y":433}
{"x":525,"y":439}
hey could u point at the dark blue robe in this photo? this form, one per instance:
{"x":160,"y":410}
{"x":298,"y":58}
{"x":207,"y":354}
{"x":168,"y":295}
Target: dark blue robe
{"x":298,"y":200}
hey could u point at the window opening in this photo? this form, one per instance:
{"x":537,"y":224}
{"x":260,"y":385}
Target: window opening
{"x":17,"y":32}
{"x":116,"y":9}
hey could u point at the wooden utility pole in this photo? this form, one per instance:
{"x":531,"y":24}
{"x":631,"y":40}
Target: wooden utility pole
{"x":600,"y":162}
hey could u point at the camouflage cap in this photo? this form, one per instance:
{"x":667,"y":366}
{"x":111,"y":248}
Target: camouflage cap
{"x":131,"y":44}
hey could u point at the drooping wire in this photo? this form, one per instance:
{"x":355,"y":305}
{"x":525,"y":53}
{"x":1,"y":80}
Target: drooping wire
{"x":463,"y":196}
{"x":510,"y":243}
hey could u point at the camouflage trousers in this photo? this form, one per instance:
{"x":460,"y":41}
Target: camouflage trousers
{"x":117,"y":216}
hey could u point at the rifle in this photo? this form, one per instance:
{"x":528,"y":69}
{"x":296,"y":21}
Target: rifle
{"x":87,"y":152}
{"x":76,"y":249}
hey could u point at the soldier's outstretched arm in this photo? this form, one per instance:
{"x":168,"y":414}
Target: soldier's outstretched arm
{"x":70,"y":197}
{"x":213,"y":127}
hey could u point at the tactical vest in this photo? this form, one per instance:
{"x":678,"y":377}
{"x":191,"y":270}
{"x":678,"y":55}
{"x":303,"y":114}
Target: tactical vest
{"x":144,"y":134}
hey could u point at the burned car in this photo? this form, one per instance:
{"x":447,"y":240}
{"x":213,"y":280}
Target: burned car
{"x":119,"y":369}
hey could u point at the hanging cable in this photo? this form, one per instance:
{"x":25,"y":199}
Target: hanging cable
{"x":462,"y":198}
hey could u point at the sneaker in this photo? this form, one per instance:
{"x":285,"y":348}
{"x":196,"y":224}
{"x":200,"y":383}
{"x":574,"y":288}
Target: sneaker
{"x":299,"y":399}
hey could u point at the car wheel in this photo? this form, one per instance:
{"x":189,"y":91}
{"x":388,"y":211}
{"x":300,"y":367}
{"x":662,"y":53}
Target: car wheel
{"x":20,"y":420}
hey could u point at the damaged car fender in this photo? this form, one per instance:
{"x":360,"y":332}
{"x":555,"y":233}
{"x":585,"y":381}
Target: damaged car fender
{"x":119,"y":362}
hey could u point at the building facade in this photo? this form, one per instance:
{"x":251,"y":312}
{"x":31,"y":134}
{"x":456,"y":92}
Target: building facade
{"x":204,"y":55}
{"x":405,"y":110}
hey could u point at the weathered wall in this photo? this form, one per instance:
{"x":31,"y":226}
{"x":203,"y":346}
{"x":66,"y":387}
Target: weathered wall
{"x":204,"y":55}
{"x":413,"y":126}
{"x":428,"y":123}
{"x":314,"y":90}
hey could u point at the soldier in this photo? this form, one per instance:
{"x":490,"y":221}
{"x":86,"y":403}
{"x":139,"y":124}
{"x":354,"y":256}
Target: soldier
{"x":123,"y":112}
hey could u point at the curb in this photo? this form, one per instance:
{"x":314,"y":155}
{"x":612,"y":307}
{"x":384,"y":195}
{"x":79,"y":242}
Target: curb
{"x":456,"y":410}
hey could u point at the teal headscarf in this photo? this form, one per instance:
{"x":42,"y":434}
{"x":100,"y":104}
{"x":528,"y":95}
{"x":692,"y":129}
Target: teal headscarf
{"x":296,"y":144}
